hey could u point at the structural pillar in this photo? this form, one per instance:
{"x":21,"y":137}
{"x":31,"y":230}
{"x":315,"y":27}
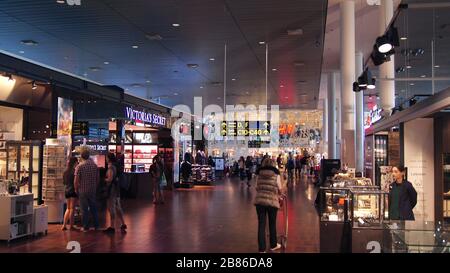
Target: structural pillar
{"x":387,"y":69}
{"x":359,"y":117}
{"x":325,"y":125}
{"x":331,"y":97}
{"x":347,"y":19}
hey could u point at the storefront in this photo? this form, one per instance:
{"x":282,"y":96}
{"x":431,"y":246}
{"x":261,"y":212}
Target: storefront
{"x":423,"y":149}
{"x":25,"y":122}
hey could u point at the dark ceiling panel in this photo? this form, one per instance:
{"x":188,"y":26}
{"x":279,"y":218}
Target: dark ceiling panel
{"x":73,"y":39}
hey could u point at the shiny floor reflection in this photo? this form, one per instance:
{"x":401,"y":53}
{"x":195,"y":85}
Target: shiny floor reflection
{"x":204,"y":219}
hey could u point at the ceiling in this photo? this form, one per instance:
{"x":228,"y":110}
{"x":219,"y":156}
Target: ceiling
{"x":95,"y":41}
{"x":420,"y":27}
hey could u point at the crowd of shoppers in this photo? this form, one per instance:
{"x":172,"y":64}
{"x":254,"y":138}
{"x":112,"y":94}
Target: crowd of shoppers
{"x":84,"y":187}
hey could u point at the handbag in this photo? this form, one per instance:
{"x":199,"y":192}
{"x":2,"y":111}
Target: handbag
{"x":163,"y":180}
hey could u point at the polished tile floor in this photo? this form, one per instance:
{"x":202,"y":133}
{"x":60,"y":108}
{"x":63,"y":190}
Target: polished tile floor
{"x":218,"y":218}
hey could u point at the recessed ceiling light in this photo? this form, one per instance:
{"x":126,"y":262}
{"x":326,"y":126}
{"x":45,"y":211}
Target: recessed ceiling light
{"x":247,"y":93}
{"x":423,"y":76}
{"x":437,"y":66}
{"x":175,"y":94}
{"x":403,"y":38}
{"x":148,"y":81}
{"x":412,"y":84}
{"x":201,"y":87}
{"x":29,"y":42}
{"x":219,"y":98}
{"x":274,"y":69}
{"x":106,"y":63}
{"x":286,"y":97}
{"x":33,"y":85}
{"x":408,"y":66}
{"x":135,"y":46}
{"x":299,"y":63}
{"x":21,"y":52}
{"x":212,"y":59}
{"x":95,"y":68}
{"x":281,"y":86}
{"x":192,"y":65}
{"x":153,"y":37}
{"x":66,"y":58}
{"x":175,"y":25}
{"x":295,"y":32}
{"x":233,"y":79}
{"x":60,"y":1}
{"x":262,"y":43}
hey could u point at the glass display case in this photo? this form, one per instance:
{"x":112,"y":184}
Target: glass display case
{"x":417,"y":237}
{"x":335,"y":205}
{"x":23,"y":163}
{"x":369,"y":208}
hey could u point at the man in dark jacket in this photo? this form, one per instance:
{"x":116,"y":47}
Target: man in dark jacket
{"x":402,"y":196}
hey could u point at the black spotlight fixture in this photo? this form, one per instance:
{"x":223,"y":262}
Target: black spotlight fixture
{"x":377,"y":57}
{"x":365,"y":81}
{"x":388,"y":41}
{"x":356,"y":87}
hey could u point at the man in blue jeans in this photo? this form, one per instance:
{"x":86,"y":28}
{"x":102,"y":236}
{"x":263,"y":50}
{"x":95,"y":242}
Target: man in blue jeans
{"x":87,"y":178}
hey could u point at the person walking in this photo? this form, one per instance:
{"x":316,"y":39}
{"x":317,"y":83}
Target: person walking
{"x":112,"y":183}
{"x":298,"y":166}
{"x":70,"y":194}
{"x":186,"y":168}
{"x":267,"y":202}
{"x":157,"y":174}
{"x":290,"y":167}
{"x":248,"y":169}
{"x":402,"y":196}
{"x":241,"y":164}
{"x":279,"y":161}
{"x":87,"y":178}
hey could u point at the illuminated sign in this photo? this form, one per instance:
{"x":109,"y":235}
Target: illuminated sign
{"x":245,"y":128}
{"x":144,"y":117}
{"x":373,"y":116}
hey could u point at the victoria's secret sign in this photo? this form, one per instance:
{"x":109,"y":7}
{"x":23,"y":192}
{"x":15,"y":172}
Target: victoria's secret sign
{"x":142,"y":116}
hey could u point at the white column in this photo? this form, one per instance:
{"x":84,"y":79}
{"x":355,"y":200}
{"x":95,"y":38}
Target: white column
{"x":347,"y":78}
{"x":325,"y":125}
{"x":386,"y":70}
{"x":331,"y":97}
{"x":359,"y":117}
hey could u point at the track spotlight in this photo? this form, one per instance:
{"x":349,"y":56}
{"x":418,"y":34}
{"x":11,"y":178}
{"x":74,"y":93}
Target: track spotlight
{"x":33,"y":85}
{"x":356,"y":87}
{"x":9,"y":76}
{"x":383,"y":44}
{"x":377,"y":57}
{"x":371,"y":84}
{"x":388,"y":41}
{"x":365,"y":81}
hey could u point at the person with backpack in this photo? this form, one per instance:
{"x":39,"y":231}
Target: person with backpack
{"x":112,"y":178}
